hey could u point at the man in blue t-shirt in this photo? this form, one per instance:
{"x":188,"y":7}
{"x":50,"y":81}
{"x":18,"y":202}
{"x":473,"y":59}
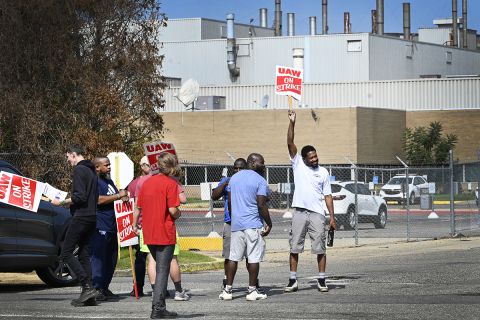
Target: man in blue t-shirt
{"x":104,"y":243}
{"x":250,"y":222}
{"x":222,"y":191}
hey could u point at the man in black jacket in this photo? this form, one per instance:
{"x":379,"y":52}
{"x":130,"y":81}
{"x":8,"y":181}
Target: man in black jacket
{"x":83,"y":209}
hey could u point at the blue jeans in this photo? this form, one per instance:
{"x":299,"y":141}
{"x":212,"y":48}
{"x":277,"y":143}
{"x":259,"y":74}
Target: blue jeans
{"x":162,"y":256}
{"x":104,"y":257}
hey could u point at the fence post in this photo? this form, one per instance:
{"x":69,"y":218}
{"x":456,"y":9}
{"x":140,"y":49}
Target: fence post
{"x":355,"y":169}
{"x":407,"y":198}
{"x":452,"y":196}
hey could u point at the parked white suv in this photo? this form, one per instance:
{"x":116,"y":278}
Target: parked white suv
{"x":395,"y":189}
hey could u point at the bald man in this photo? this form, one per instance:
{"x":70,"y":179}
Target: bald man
{"x":104,"y":243}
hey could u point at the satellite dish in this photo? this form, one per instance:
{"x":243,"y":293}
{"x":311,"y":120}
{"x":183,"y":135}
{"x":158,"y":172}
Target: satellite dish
{"x":188,"y":92}
{"x":264,"y":102}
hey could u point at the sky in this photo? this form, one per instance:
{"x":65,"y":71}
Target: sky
{"x":423,"y":12}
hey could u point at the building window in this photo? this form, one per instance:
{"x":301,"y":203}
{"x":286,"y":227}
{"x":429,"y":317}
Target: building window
{"x":448,"y":57}
{"x":354,"y":45}
{"x":409,"y":51}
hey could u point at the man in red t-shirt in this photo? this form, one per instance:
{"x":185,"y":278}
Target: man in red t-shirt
{"x":158,"y":203}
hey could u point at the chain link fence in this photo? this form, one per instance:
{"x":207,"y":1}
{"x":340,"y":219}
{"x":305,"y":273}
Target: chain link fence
{"x":370,"y":202}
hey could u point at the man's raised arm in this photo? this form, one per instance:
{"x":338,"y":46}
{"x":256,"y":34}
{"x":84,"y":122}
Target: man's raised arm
{"x":292,"y":148}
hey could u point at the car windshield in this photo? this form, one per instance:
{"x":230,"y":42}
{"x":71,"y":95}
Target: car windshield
{"x":399,"y":180}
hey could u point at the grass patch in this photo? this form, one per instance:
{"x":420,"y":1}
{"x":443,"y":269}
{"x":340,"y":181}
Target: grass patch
{"x":189,"y":261}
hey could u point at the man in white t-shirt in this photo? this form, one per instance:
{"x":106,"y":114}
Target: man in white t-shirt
{"x":311,"y":200}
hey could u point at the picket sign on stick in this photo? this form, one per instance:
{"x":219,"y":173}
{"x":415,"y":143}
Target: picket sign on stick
{"x":154,"y":149}
{"x":288,"y":82}
{"x":126,"y":236}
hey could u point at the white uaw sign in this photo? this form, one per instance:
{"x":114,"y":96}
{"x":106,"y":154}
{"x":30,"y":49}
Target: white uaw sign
{"x":20,"y":192}
{"x":154,"y":149}
{"x":288,"y":82}
{"x":124,"y":218}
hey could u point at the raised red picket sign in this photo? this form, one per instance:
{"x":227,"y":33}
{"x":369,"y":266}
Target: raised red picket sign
{"x":154,"y":149}
{"x":124,"y":218}
{"x":20,"y":192}
{"x":288,"y":82}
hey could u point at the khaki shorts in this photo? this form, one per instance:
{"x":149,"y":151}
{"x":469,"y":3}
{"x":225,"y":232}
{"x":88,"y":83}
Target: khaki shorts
{"x":247,"y":243}
{"x":144,"y":247}
{"x":227,"y":236}
{"x":307,"y":222}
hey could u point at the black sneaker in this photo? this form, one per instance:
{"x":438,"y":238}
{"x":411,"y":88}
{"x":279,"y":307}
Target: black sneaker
{"x":292,"y":285}
{"x":162,"y":314}
{"x":88,"y":292}
{"x":101,"y":295}
{"x":89,"y":303}
{"x":110,"y":295}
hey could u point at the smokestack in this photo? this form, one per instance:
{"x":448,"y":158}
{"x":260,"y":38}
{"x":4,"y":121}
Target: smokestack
{"x":406,"y":20}
{"x":263,"y":17}
{"x":231,"y":47}
{"x":374,"y":21}
{"x":465,"y":25}
{"x":346,"y":23}
{"x":324,"y":17}
{"x":291,"y":24}
{"x":278,"y":18}
{"x":313,"y":25}
{"x":454,"y":23}
{"x":380,"y":17}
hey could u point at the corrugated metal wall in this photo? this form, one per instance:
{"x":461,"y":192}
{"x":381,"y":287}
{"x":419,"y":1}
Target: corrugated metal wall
{"x":409,"y":95}
{"x":393,"y":58}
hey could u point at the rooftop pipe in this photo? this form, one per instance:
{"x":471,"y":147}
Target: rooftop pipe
{"x":263,"y":18}
{"x":454,"y":24}
{"x":291,"y":24}
{"x":278,"y":18}
{"x":324,"y":17}
{"x":406,"y":21}
{"x":465,"y":26}
{"x":313,"y":25}
{"x":231,"y":47}
{"x":380,"y":17}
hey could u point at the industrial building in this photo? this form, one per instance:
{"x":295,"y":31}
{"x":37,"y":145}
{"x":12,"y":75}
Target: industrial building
{"x":361,"y":90}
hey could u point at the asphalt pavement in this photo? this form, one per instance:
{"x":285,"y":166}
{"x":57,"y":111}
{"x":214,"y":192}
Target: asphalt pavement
{"x":381,"y":279}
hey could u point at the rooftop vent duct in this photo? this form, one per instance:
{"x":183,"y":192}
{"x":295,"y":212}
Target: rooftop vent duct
{"x":454,"y":23}
{"x":291,"y":24}
{"x":406,"y":20}
{"x":374,"y":21}
{"x":347,"y":26}
{"x":278,"y":18}
{"x":298,"y":58}
{"x":263,"y":18}
{"x":465,"y":26}
{"x":231,"y":47}
{"x":324,"y":17}
{"x":313,"y":25}
{"x":380,"y":17}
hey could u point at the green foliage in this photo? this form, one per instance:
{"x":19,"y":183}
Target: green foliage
{"x":427,"y":146}
{"x":84,"y":72}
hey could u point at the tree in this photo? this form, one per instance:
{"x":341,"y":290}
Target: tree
{"x":85,"y":72}
{"x":426,"y":146}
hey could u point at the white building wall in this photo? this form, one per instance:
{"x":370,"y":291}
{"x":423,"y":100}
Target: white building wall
{"x":408,"y":95}
{"x":400,"y":59}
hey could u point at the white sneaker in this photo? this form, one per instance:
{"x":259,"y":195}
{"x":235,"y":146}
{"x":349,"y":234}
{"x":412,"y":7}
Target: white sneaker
{"x":322,"y":287}
{"x":255,"y":295}
{"x":181,"y":296}
{"x":225,"y":295}
{"x":292,"y":285}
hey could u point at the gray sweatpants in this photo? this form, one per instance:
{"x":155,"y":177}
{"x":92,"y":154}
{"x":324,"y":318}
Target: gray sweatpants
{"x":162,"y":256}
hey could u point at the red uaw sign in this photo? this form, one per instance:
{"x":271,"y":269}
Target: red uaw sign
{"x":124,"y":218}
{"x":154,"y":149}
{"x":20,"y":192}
{"x":289,"y":82}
